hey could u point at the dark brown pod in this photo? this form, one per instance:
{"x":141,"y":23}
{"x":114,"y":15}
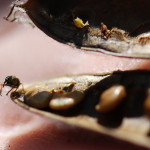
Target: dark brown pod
{"x":114,"y":27}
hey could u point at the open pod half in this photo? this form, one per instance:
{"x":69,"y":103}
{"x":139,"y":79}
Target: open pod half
{"x":110,"y":26}
{"x":125,"y":121}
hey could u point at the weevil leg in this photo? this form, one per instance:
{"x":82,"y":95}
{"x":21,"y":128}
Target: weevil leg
{"x":11,"y":90}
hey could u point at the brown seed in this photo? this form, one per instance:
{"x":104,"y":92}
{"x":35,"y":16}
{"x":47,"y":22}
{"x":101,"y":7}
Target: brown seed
{"x":147,"y":104}
{"x":66,"y":100}
{"x":38,"y":97}
{"x":111,"y":98}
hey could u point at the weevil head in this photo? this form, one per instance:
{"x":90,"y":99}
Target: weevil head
{"x":11,"y":81}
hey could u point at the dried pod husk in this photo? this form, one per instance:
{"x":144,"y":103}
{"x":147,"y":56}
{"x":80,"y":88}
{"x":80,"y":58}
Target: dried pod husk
{"x":117,"y":27}
{"x":127,"y":123}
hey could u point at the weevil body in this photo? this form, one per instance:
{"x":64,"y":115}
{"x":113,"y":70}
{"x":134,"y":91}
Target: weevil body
{"x":13,"y":82}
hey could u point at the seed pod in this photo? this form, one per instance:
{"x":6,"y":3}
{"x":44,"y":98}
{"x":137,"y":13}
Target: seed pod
{"x":66,"y":101}
{"x":61,"y":21}
{"x":38,"y":97}
{"x":111,"y":98}
{"x":84,"y":116}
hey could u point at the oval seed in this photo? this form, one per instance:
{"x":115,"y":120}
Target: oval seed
{"x":66,"y":100}
{"x":38,"y":97}
{"x":111,"y":98}
{"x":147,"y":104}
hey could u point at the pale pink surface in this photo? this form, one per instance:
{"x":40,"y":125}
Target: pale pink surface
{"x":31,"y":55}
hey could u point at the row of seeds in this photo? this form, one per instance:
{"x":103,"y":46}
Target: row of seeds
{"x":110,"y":99}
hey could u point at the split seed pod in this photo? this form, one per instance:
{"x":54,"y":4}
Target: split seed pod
{"x":123,"y":35}
{"x":134,"y":126}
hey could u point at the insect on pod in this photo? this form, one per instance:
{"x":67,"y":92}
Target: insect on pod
{"x":107,"y":29}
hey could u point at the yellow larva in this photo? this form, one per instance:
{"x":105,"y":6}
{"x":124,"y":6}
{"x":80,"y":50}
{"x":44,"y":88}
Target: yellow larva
{"x":79,"y":23}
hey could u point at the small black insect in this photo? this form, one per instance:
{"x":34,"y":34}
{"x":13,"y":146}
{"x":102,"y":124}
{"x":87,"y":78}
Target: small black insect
{"x":13,"y":82}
